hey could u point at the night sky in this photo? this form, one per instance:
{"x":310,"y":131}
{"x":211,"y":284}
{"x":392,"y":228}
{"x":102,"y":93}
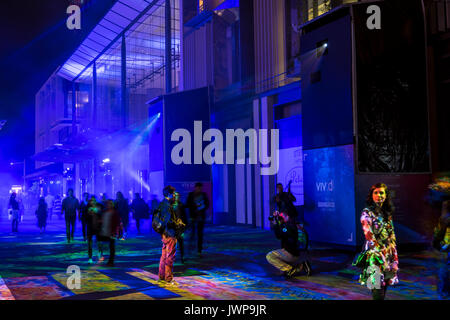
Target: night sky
{"x":34,"y":42}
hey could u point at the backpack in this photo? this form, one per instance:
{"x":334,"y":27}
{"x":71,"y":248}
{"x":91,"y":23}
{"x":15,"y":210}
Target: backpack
{"x":157,"y":222}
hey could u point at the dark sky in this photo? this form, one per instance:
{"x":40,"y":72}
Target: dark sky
{"x":34,"y":42}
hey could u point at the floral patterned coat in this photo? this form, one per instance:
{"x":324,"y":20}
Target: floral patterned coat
{"x":381,"y":246}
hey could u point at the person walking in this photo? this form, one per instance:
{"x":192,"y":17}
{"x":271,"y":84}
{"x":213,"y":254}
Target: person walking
{"x":198,"y":203}
{"x":381,"y":266}
{"x":14,"y":210}
{"x":109,"y":230}
{"x":57,"y":206}
{"x":93,"y":219}
{"x":122,"y":206}
{"x":42,"y":214}
{"x":49,"y":199}
{"x":69,"y":207}
{"x":140,"y":210}
{"x":83,"y":214}
{"x":168,"y":237}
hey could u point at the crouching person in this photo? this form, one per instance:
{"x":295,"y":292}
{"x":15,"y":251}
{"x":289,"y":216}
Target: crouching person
{"x":289,"y":259}
{"x":165,"y":216}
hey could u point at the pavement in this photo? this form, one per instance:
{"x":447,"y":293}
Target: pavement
{"x":34,"y":266}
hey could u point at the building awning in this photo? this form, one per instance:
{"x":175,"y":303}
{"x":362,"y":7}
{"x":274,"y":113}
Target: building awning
{"x":95,"y":144}
{"x":50,"y":170}
{"x":64,"y":154}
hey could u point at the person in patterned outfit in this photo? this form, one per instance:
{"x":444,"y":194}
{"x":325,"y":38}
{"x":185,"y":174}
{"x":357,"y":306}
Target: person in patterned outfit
{"x":382,"y":260}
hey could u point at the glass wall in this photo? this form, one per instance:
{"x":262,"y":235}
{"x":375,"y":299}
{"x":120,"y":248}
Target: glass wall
{"x":108,"y":101}
{"x":112,"y":110}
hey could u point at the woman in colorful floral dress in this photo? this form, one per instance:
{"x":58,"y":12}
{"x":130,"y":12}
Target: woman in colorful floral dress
{"x":382,"y":260}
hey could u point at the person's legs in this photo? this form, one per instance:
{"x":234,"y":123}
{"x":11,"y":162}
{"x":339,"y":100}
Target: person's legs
{"x":84,"y":229}
{"x":90,"y":246}
{"x":162,"y":261}
{"x":100,"y":248}
{"x":193,"y":229}
{"x":68,"y":228}
{"x":282,"y":260}
{"x":73,"y":221}
{"x":171,"y":249}
{"x":112,"y":251}
{"x":138,"y":225}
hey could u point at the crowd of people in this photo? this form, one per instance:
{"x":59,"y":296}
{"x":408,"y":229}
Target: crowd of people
{"x":108,"y":220}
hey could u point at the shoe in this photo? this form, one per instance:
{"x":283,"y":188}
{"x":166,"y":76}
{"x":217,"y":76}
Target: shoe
{"x":172,"y":283}
{"x":161,"y":282}
{"x":102,"y":258}
{"x":307,"y":267}
{"x":295,"y":270}
{"x":90,"y":261}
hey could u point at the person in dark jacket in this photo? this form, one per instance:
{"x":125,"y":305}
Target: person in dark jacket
{"x":288,"y":259}
{"x":83,"y":214}
{"x":197,"y":202}
{"x":140,"y":210}
{"x":42,"y":214}
{"x":93,"y":219}
{"x":168,"y":236}
{"x":70,"y":206}
{"x":121,"y":204}
{"x":284,"y":201}
{"x":180,"y":212}
{"x":14,"y":208}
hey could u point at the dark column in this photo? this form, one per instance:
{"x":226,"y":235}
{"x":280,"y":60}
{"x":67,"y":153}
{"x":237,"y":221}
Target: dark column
{"x":168,"y":52}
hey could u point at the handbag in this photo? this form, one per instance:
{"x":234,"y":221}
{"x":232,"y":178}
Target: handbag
{"x":157,"y":223}
{"x":360,"y":261}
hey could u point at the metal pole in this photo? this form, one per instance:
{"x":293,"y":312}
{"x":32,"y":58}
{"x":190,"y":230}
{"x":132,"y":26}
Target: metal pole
{"x":24,"y":183}
{"x":168,"y":48}
{"x":94,"y":95}
{"x":123,"y":83}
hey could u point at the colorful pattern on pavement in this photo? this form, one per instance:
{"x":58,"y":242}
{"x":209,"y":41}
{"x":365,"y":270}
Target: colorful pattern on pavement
{"x":233,"y":267}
